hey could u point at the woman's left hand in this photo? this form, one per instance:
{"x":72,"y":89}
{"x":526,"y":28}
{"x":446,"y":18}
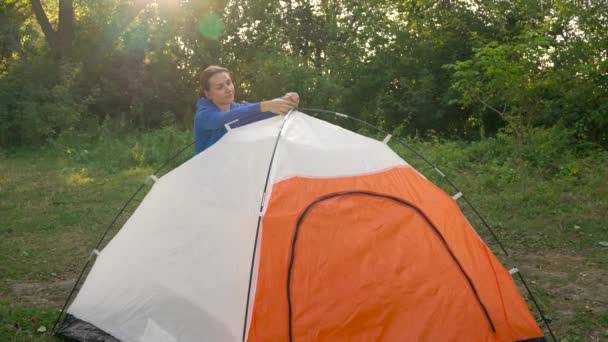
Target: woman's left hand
{"x":293,"y":97}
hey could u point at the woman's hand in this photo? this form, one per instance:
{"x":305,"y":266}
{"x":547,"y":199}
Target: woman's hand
{"x":293,"y":97}
{"x":278,"y":106}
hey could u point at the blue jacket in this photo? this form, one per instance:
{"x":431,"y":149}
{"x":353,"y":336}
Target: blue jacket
{"x":209,"y":121}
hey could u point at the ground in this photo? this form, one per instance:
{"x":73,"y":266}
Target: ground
{"x":573,"y":290}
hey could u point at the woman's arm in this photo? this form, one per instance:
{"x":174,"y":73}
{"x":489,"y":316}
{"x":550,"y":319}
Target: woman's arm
{"x":213,"y":118}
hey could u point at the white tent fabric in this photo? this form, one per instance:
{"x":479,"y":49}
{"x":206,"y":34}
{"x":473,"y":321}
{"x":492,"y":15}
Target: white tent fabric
{"x":314,"y":148}
{"x":179,"y":269}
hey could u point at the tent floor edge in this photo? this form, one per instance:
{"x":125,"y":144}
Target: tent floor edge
{"x":72,"y":329}
{"x":534,"y":339}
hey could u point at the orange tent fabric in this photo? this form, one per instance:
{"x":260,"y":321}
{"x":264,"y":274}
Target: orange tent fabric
{"x":386,"y":256}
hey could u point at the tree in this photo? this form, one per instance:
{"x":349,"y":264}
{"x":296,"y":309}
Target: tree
{"x":60,"y":40}
{"x":136,"y":61}
{"x":506,"y":79}
{"x":13,"y":15}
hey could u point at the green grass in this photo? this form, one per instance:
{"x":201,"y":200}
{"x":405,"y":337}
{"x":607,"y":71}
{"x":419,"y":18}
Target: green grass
{"x":56,"y":202}
{"x":561,"y":210}
{"x":19,"y":323}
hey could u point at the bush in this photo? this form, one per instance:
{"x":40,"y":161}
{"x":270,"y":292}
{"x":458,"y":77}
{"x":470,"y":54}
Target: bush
{"x":37,"y":101}
{"x":115,"y":149}
{"x":156,"y":147}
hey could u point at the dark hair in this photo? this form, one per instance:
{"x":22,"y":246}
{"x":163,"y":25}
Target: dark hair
{"x":207,"y":74}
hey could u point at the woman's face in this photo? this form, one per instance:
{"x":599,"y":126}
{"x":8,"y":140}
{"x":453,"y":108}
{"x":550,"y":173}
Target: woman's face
{"x":221,"y":89}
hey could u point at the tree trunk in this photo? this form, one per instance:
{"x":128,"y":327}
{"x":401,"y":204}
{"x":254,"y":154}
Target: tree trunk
{"x":60,"y":40}
{"x":517,"y":123}
{"x":65,"y":31}
{"x":49,"y":33}
{"x":519,"y":136}
{"x":135,"y":75}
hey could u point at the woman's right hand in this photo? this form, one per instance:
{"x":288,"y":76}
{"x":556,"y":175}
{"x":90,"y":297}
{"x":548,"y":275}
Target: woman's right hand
{"x":277,"y":106}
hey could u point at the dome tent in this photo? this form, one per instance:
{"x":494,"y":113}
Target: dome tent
{"x":339,"y":239}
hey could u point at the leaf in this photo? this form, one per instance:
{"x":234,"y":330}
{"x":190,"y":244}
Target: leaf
{"x":603,"y":243}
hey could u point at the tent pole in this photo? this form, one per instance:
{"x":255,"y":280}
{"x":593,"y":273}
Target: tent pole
{"x":65,"y":304}
{"x":89,"y":260}
{"x":257,"y":230}
{"x":73,"y":290}
{"x":401,"y":142}
{"x":542,"y":315}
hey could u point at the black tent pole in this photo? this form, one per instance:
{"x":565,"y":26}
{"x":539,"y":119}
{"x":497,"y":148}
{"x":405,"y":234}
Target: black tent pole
{"x":457,"y":190}
{"x":257,"y":230}
{"x":542,"y":315}
{"x":401,"y":142}
{"x":65,"y":304}
{"x":73,"y":290}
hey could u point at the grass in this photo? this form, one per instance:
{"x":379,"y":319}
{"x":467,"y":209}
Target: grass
{"x":18,"y":323}
{"x":56,"y":202}
{"x":561,"y":211}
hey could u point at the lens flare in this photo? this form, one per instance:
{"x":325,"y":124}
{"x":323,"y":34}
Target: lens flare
{"x":211,"y":27}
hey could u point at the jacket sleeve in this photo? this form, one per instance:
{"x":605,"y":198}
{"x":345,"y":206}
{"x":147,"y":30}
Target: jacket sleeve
{"x":213,"y":118}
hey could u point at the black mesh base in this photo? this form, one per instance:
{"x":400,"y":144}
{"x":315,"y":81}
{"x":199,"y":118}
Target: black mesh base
{"x":73,"y":329}
{"x":536,"y":339}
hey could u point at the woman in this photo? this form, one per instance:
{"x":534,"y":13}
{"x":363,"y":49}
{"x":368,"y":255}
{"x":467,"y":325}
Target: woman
{"x":216,"y":107}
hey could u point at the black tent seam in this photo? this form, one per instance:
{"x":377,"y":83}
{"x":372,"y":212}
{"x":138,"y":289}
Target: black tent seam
{"x":451,"y":183}
{"x":395,"y":199}
{"x":419,"y":155}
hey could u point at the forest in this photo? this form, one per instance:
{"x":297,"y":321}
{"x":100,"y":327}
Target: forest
{"x":454,"y":69}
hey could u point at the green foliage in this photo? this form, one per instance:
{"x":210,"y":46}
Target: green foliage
{"x":112,"y":149}
{"x":555,"y":151}
{"x":449,"y":68}
{"x":552,"y":154}
{"x":12,"y":19}
{"x":504,"y":78}
{"x":157,"y":147}
{"x":269,"y":75}
{"x":38,"y":101}
{"x":546,"y":72}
